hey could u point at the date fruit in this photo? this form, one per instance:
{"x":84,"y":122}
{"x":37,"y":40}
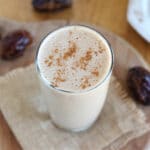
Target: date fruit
{"x":138,"y":81}
{"x":15,"y":43}
{"x":51,"y":5}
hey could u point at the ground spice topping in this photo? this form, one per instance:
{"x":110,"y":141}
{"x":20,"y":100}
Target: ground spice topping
{"x":71,"y":51}
{"x":60,"y":59}
{"x":95,"y":72}
{"x":85,"y":83}
{"x":83,"y":62}
{"x":59,"y":77}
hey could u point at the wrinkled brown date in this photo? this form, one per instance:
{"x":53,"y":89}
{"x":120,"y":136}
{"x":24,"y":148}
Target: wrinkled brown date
{"x":138,"y":81}
{"x":14,"y":44}
{"x":51,"y":5}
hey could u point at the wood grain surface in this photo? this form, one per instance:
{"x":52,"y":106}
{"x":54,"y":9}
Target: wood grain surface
{"x":108,"y":14}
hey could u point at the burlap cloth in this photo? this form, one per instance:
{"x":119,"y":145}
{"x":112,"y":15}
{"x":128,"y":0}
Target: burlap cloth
{"x":24,"y":109}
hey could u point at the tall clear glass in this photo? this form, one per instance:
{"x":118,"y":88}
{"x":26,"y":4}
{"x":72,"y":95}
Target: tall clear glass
{"x":75,"y":111}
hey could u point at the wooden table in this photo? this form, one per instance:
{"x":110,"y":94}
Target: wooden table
{"x":109,"y":14}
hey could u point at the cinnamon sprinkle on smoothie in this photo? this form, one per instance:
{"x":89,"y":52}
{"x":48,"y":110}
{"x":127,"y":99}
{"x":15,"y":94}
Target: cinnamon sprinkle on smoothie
{"x":74,"y":59}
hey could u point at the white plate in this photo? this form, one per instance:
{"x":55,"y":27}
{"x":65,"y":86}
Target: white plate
{"x":138,"y":16}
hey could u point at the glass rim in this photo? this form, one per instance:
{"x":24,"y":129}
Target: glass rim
{"x":67,"y":91}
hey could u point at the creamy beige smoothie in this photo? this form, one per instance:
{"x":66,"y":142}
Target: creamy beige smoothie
{"x":75,"y":64}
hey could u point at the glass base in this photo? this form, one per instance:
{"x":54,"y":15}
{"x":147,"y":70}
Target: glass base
{"x":76,"y":129}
